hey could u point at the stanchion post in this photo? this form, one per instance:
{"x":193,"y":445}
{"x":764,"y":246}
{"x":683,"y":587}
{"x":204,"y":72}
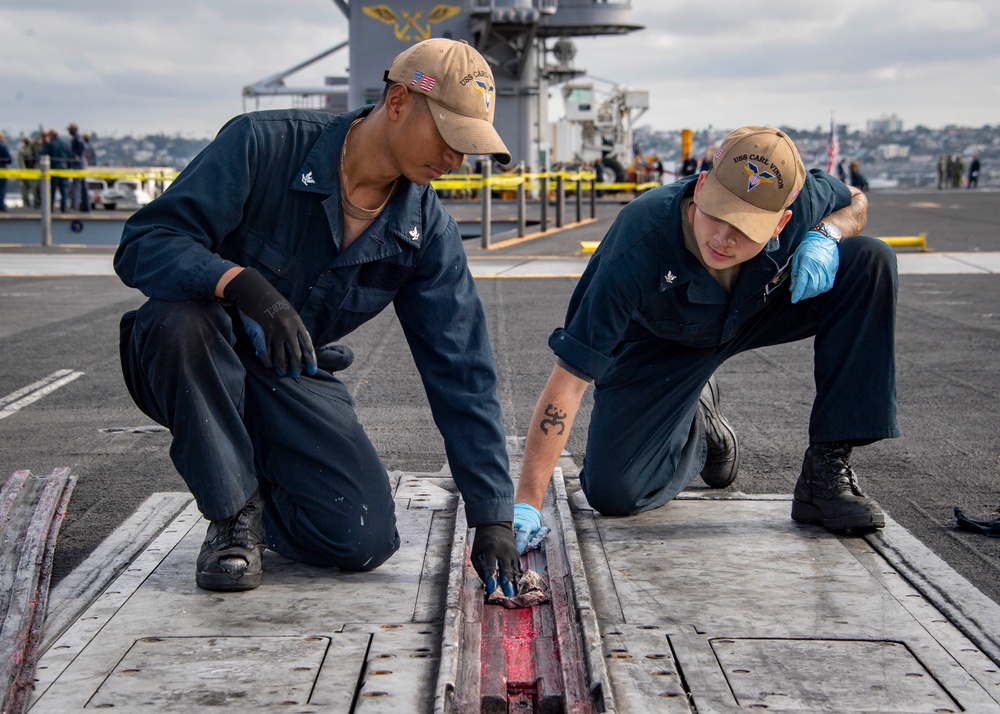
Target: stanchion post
{"x":579,"y":197}
{"x":487,"y":207}
{"x":521,"y":199}
{"x":45,"y":164}
{"x":560,"y":199}
{"x":544,"y":202}
{"x":593,"y":196}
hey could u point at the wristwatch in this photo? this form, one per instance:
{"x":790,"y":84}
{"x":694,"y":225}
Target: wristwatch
{"x":829,"y":230}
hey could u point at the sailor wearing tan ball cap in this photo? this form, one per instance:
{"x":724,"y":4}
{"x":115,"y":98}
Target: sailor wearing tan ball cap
{"x":293,"y":228}
{"x":460,"y":91}
{"x":744,"y":256}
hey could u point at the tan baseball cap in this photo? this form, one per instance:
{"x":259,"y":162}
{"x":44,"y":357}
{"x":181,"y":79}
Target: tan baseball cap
{"x":756,"y":175}
{"x":460,"y":91}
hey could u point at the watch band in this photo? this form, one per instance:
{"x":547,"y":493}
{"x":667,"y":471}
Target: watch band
{"x":829,"y":230}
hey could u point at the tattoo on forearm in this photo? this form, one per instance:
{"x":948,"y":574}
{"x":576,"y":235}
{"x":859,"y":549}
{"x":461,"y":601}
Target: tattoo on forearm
{"x":851,"y":219}
{"x":555,"y":419}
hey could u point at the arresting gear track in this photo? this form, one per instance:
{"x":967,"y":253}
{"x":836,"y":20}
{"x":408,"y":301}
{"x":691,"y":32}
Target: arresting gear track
{"x":546,"y":658}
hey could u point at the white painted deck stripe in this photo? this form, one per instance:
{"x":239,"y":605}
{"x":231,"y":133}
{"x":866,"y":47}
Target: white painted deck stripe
{"x":15,"y":401}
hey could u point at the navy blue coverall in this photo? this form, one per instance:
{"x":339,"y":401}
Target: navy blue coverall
{"x":266,"y":194}
{"x":650,"y":325}
{"x":61,"y":156}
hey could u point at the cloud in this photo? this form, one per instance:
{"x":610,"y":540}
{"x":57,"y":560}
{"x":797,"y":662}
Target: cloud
{"x":180,"y":66}
{"x":160,"y":67}
{"x":929,"y":61}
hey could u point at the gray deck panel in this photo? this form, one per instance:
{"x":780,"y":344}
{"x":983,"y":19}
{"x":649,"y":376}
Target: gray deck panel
{"x":153,"y":618}
{"x":401,"y":668}
{"x":985,"y":261}
{"x":642,"y":670}
{"x":184,"y":674}
{"x":757,"y":611}
{"x":542,"y":266}
{"x":943,"y":263}
{"x":708,"y":605}
{"x":949,"y":263}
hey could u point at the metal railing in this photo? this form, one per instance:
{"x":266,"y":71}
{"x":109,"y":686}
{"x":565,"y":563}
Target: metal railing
{"x":45,"y":173}
{"x":544,"y":188}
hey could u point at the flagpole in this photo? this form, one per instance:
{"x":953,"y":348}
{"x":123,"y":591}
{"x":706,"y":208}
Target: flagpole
{"x":833,"y":151}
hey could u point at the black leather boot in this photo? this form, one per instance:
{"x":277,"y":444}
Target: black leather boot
{"x":827,"y":492}
{"x":230,"y":557}
{"x":723,"y":447}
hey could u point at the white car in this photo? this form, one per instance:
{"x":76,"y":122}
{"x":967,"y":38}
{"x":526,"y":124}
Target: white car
{"x":96,"y":189}
{"x":125,"y":193}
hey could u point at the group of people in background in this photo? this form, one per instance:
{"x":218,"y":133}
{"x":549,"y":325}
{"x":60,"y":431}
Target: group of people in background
{"x":951,"y":169}
{"x":74,"y":151}
{"x":690,"y":165}
{"x":852,"y":175}
{"x":5,"y":161}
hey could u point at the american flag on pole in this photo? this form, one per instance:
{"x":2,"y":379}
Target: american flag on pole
{"x":832,"y":153}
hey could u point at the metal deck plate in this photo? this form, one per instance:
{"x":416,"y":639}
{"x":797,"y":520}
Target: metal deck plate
{"x":708,"y":604}
{"x":182,"y":674}
{"x":309,"y":639}
{"x":816,"y":623}
{"x":793,"y":675}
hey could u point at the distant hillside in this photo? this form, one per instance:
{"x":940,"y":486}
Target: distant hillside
{"x":907,"y":157}
{"x":155,"y":150}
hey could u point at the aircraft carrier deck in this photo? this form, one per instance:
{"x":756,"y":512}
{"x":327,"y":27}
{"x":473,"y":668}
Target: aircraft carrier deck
{"x":717,"y":602}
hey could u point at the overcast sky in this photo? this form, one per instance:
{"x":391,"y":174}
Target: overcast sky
{"x":178,"y":66}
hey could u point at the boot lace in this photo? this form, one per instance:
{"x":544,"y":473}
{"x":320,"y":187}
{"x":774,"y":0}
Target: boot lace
{"x":237,"y":530}
{"x":832,"y":466}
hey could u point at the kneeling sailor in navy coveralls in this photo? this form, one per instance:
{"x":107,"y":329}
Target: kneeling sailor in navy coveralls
{"x":744,"y":256}
{"x":292,"y":228}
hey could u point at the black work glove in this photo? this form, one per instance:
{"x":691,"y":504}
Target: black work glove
{"x":274,"y":328}
{"x":493,"y":550}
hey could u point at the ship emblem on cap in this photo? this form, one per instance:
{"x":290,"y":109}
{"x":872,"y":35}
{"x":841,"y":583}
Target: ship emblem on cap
{"x":486,"y":91}
{"x":756,"y":177}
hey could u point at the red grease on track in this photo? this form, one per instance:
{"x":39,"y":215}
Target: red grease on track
{"x":519,"y":658}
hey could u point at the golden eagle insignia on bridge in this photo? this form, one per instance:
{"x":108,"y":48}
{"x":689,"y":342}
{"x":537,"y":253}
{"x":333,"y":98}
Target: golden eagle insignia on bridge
{"x":404,"y":22}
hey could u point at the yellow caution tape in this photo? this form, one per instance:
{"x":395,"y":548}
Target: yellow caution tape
{"x":499,"y":182}
{"x":112,"y":174}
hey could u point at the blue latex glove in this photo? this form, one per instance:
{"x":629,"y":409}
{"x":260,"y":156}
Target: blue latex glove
{"x":527,"y":526}
{"x":256,"y":334}
{"x":814,"y":266}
